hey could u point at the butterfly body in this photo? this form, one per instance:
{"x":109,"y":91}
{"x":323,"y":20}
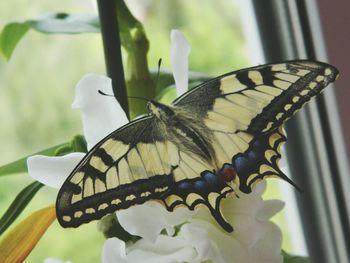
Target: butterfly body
{"x":225,"y":132}
{"x":182,"y":129}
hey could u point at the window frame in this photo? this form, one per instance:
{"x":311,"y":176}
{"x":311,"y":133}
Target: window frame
{"x":316,"y":154}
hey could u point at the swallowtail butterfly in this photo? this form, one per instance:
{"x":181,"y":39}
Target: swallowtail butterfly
{"x":225,"y":131}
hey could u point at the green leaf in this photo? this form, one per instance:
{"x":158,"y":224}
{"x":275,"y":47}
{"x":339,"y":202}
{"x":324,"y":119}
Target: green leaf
{"x":79,"y":144}
{"x":167,"y":95}
{"x":10,"y":36}
{"x":125,"y":17}
{"x":18,"y":205}
{"x":294,"y":259}
{"x":65,"y":23}
{"x":20,"y":166}
{"x":12,"y":33}
{"x":110,"y":227}
{"x":127,"y":22}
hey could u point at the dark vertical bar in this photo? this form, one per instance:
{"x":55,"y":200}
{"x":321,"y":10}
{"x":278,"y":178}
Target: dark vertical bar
{"x":327,"y":130}
{"x":285,"y":32}
{"x":112,"y":50}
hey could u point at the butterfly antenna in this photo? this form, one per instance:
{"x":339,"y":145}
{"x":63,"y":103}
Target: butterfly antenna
{"x":104,"y":94}
{"x":130,"y":97}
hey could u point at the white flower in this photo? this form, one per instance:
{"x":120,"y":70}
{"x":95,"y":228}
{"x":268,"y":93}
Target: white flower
{"x":255,"y":239}
{"x":164,"y":250}
{"x":179,"y":52}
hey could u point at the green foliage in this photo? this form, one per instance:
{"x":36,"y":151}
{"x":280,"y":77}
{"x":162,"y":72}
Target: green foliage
{"x":12,"y":33}
{"x":139,"y":82}
{"x":20,"y":166}
{"x":127,"y":23}
{"x":110,"y":227}
{"x":18,"y":205}
{"x":294,"y":259}
{"x":66,"y":24}
{"x":166,"y":91}
{"x":77,"y":144}
{"x":10,"y":36}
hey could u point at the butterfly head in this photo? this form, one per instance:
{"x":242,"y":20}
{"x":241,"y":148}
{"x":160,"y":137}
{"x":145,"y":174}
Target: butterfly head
{"x":160,"y":110}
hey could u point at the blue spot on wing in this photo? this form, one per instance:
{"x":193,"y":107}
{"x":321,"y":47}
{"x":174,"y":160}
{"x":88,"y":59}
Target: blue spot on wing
{"x":185,"y":186}
{"x":253,"y":156}
{"x":241,"y":163}
{"x":200,"y":186}
{"x":211,"y":178}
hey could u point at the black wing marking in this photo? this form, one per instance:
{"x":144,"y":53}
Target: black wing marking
{"x":258,"y":99}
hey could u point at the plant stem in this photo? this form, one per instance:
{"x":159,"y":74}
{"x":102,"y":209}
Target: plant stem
{"x":112,"y":50}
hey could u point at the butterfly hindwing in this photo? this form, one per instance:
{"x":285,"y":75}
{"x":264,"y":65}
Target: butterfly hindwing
{"x":206,"y":188}
{"x":260,"y":160}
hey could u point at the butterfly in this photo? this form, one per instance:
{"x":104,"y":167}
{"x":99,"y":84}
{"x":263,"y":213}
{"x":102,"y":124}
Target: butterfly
{"x":223,"y":133}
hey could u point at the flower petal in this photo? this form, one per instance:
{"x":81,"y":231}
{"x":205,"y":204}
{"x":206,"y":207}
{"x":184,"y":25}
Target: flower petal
{"x":179,"y":53}
{"x":271,"y":207}
{"x":52,"y":171}
{"x":101,"y":114}
{"x":16,"y":245}
{"x":114,"y":251}
{"x":149,"y":219}
{"x":268,"y":248}
{"x":214,"y":244}
{"x":199,"y":237}
{"x":249,"y":215}
{"x":165,"y":249}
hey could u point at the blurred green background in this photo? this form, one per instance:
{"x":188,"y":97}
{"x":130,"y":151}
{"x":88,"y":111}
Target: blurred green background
{"x":37,"y":88}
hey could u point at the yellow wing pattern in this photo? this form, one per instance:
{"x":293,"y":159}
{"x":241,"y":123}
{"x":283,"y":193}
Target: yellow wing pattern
{"x":226,"y":130}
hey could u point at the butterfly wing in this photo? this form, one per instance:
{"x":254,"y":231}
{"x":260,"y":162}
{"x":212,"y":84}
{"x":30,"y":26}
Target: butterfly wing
{"x":112,"y":176}
{"x":134,"y":164}
{"x":244,"y":106}
{"x":238,"y":116}
{"x":257,"y":99}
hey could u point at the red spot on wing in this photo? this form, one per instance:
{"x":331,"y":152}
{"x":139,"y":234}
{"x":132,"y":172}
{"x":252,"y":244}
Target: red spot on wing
{"x":227,"y":173}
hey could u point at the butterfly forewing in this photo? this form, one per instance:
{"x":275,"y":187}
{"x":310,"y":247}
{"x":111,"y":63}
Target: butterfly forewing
{"x":258,"y":99}
{"x":123,"y":169}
